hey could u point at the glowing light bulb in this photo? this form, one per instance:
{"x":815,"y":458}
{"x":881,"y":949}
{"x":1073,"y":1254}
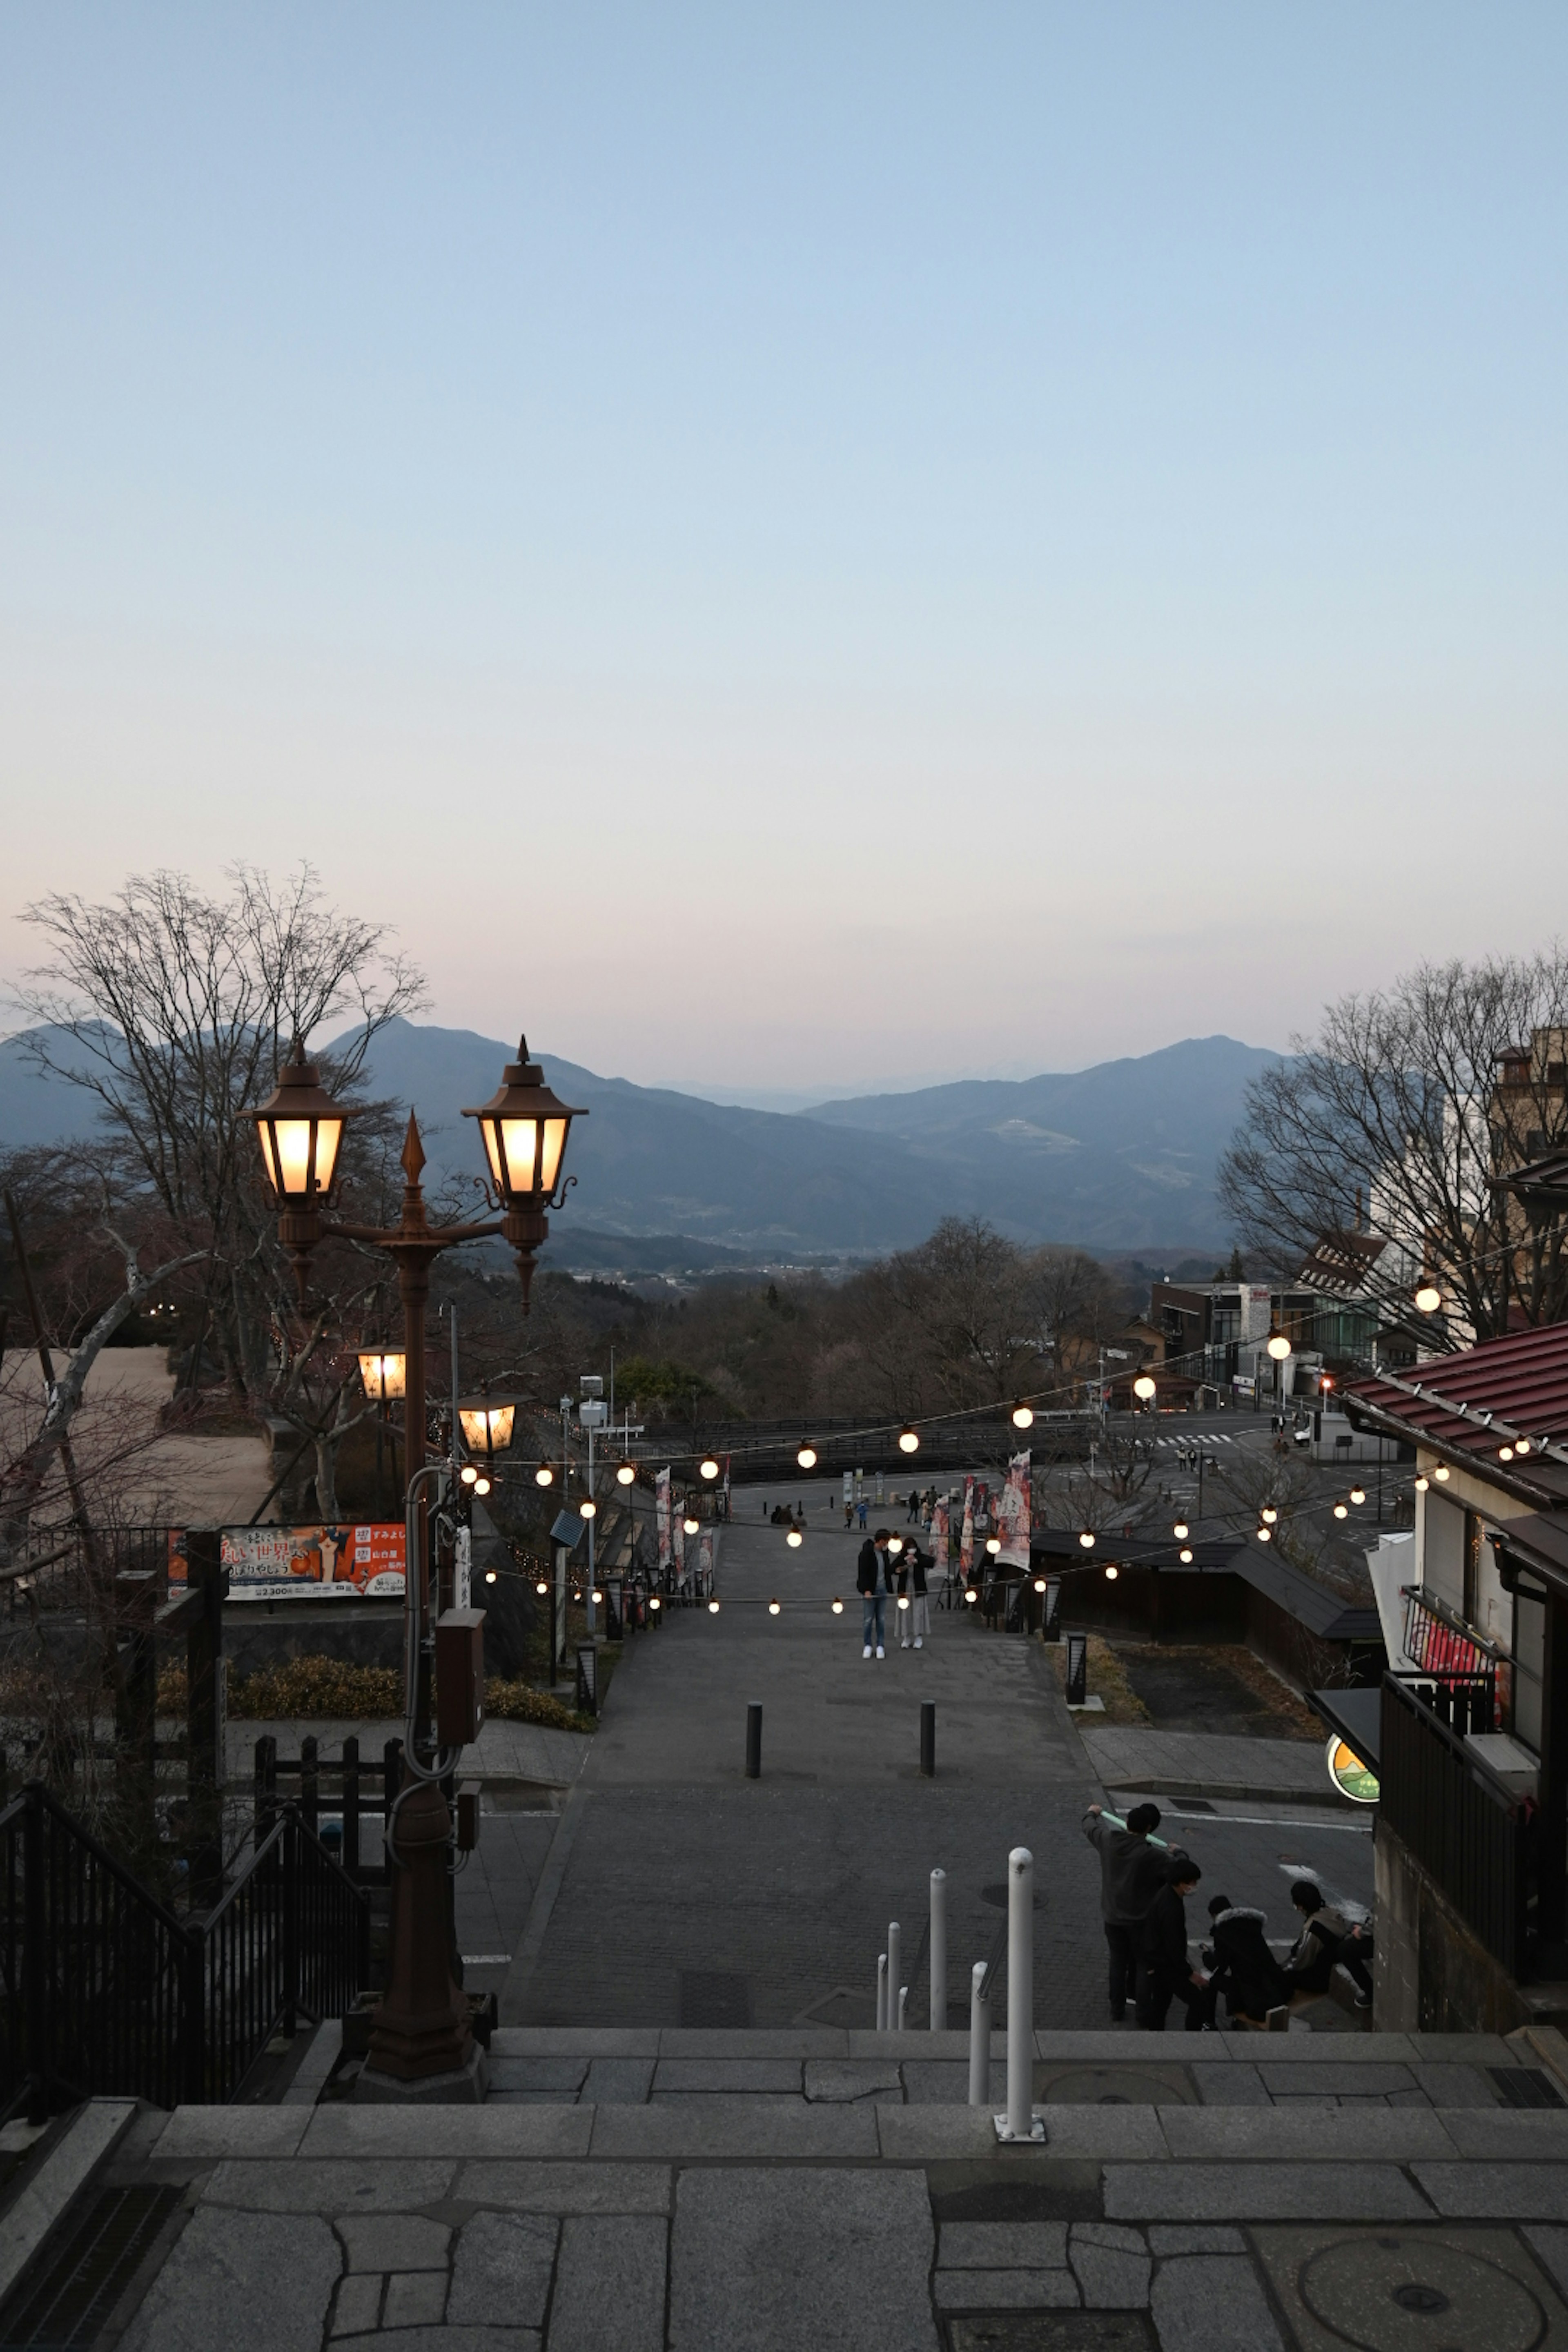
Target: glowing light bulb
{"x":545,"y":1476}
{"x":712,"y":1609}
{"x":1341,"y":1510}
{"x":1268,"y":1514}
{"x":1039,"y":1584}
{"x":587,"y":1508}
{"x":903,"y":1600}
{"x":1111,"y":1572}
{"x":690,"y":1525}
{"x":836,"y":1607}
{"x":1087,"y":1538}
{"x":795,"y":1539}
{"x":490,"y":1574}
{"x":1422,"y":1483}
{"x":467,"y":1474}
{"x":773,"y":1609}
{"x":1505,"y":1453}
{"x":654,"y":1601}
{"x":1358,"y":1494}
{"x":909,"y":1440}
{"x":970,"y":1594}
{"x":1023,"y":1415}
{"x":1278,"y":1346}
{"x":1179,"y":1530}
{"x":1265,"y":1535}
{"x":625,"y":1475}
{"x":1143,"y":1389}
{"x":993,"y":1545}
{"x":1429,"y":1298}
{"x":1186,"y":1556}
{"x":708,"y":1467}
{"x":540,"y":1586}
{"x":1441,"y":1473}
{"x":806,"y":1456}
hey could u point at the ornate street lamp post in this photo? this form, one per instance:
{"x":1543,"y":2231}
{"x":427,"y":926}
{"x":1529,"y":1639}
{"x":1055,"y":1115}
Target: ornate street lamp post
{"x":421,"y":2044}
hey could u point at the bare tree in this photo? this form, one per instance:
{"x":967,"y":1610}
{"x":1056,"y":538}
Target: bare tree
{"x":1410,"y":1102}
{"x":173,"y":1010}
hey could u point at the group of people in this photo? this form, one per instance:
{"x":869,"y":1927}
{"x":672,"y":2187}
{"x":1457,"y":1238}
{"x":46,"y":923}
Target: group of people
{"x":1143,"y":1887}
{"x":884,"y":1573}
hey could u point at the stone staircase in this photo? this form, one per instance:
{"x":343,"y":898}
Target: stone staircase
{"x":676,"y":2190}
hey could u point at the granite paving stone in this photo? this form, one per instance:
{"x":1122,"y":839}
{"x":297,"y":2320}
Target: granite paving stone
{"x":1489,"y":2193}
{"x":926,"y":2135}
{"x":574,"y":2042}
{"x":1212,"y":2303}
{"x":1329,"y":2049}
{"x":1455,"y":2086}
{"x":727,"y":2074}
{"x":836,"y":2080}
{"x":527,"y":2188}
{"x":1355,"y":2082}
{"x":390,"y":2185}
{"x":693,"y":2128}
{"x":944,"y":2082}
{"x":799,"y":2259}
{"x":376,"y":2241}
{"x":1232,"y":2084}
{"x":1550,"y":2247}
{"x":415,"y":2299}
{"x":502,"y":2130}
{"x":1510,"y":2132}
{"x":1002,"y":2245}
{"x":1464,"y":2049}
{"x":1290,"y":2132}
{"x":500,"y":2275}
{"x":1111,"y":2264}
{"x":445,"y":2339}
{"x":358,"y":2305}
{"x":620,"y":2082}
{"x":250,"y":2282}
{"x":564,"y":2075}
{"x":1195,"y":2238}
{"x":1109,"y":2131}
{"x":609,"y":2286}
{"x":969,"y":2290}
{"x":1269,"y":2192}
{"x":249,"y":2131}
{"x":711,"y":2042}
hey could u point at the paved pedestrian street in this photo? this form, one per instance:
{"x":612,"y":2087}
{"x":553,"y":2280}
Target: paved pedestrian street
{"x":690,"y":1894}
{"x":678,"y":1891}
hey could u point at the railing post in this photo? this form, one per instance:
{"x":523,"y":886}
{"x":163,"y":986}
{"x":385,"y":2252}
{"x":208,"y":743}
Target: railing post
{"x":310,"y":1784}
{"x":895,"y":1966}
{"x":391,"y":1782}
{"x":290,"y":1925}
{"x":193,"y":2052}
{"x":34,"y":1932}
{"x":979,"y":2038}
{"x":938,"y":1952}
{"x":351,"y":1808}
{"x":265,"y":1786}
{"x":1019,"y":2123}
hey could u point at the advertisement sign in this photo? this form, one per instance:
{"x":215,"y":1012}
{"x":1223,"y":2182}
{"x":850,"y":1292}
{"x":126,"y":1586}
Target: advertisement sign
{"x":939,"y":1535}
{"x":314,"y":1563}
{"x":661,"y":1520}
{"x":1013,"y":1514}
{"x":966,"y":1538}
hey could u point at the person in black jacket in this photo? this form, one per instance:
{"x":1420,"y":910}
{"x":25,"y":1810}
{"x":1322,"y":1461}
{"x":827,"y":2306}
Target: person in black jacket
{"x":1165,"y":1972}
{"x":1326,"y":1940}
{"x":1242,"y":1967}
{"x":871,"y":1581}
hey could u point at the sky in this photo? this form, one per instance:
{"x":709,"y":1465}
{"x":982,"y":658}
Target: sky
{"x":797,"y":548}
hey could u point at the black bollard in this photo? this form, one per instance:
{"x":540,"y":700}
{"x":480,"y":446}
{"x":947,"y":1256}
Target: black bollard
{"x":928,"y":1738}
{"x":755,"y":1740}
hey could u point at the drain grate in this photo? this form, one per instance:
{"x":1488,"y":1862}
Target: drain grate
{"x":1526,"y":2086}
{"x":70,"y":2304}
{"x":710,"y":1998}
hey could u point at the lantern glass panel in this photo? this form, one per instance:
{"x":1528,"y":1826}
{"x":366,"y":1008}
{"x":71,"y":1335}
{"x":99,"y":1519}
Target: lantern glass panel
{"x":554,"y":1145}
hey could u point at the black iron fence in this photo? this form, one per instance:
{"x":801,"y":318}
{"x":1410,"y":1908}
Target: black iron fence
{"x":1466,"y":1831}
{"x":339,"y":1799}
{"x":104,"y":1990}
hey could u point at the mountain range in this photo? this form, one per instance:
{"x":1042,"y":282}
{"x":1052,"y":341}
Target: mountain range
{"x":1122,"y":1156}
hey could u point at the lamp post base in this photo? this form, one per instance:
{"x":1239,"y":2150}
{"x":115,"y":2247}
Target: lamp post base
{"x":467,"y":2087}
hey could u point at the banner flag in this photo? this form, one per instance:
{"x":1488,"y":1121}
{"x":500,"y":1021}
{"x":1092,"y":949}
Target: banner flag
{"x":966,"y":1540}
{"x":661,"y":1520}
{"x":1013,"y":1514}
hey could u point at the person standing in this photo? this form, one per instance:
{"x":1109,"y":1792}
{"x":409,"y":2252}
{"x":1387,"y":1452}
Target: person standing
{"x":871,"y":1583}
{"x":1132,"y":1873}
{"x":1165,"y":1972}
{"x":914,"y":1622}
{"x":862,"y":1507}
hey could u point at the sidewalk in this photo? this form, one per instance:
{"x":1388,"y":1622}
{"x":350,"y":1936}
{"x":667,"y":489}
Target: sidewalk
{"x":1210,"y":1764}
{"x":825,"y":2192}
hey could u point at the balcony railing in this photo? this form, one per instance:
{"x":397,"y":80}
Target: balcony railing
{"x":1467,"y":1831}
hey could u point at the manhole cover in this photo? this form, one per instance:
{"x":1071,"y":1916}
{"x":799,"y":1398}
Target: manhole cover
{"x":1416,"y":2294}
{"x":1525,"y":2086}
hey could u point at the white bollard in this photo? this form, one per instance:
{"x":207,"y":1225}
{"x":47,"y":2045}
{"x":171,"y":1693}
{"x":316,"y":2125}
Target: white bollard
{"x":895,"y":1962}
{"x":979,"y":2039}
{"x":1019,"y":2122}
{"x":881,"y":1992}
{"x":938,"y":1952}
{"x":903,"y":2004}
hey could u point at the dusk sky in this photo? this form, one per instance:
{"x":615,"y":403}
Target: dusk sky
{"x":795,"y":547}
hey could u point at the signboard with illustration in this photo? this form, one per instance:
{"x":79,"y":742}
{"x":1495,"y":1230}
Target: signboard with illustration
{"x":1349,"y":1776}
{"x":314,"y":1563}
